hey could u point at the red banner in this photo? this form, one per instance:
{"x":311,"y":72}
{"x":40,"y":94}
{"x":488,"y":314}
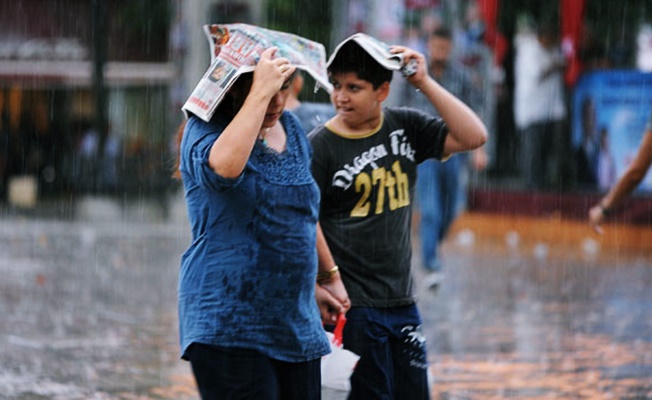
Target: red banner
{"x":419,"y":4}
{"x":492,"y":37}
{"x":572,"y":15}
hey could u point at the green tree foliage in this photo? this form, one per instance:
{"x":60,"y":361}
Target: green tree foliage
{"x":308,"y":18}
{"x":150,"y":16}
{"x":146,"y":23}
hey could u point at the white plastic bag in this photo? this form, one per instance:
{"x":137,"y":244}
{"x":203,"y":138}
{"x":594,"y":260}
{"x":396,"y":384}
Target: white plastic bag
{"x":337,"y":367}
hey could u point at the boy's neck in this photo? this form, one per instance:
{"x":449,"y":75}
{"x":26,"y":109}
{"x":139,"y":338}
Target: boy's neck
{"x":365,"y":128}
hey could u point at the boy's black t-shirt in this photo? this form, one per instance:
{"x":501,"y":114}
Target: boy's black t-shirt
{"x":367,"y":190}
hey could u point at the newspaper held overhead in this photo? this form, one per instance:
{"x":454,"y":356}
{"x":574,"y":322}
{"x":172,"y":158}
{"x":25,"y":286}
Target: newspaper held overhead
{"x":236,"y":48}
{"x":380,"y":52}
{"x":377,"y":49}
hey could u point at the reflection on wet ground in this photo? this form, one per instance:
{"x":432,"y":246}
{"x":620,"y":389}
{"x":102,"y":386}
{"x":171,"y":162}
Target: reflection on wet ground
{"x":88,"y":311}
{"x":512,"y":322}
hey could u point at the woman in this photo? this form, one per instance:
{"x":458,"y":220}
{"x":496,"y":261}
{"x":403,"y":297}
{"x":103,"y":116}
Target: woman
{"x":249,"y":323}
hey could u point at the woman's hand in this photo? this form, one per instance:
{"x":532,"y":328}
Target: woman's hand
{"x":270,"y":73}
{"x":332,"y":299}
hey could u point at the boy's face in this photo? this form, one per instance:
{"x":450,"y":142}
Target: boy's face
{"x":355,"y":99}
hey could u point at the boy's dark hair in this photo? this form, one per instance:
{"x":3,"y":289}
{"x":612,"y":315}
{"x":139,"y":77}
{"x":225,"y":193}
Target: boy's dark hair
{"x":353,"y":58}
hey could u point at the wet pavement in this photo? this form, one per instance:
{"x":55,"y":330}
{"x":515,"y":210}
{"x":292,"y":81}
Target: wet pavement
{"x":527,"y":323}
{"x":88,"y":311}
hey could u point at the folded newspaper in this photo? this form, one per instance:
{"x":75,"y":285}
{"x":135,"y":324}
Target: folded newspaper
{"x":236,"y":48}
{"x":377,"y":49}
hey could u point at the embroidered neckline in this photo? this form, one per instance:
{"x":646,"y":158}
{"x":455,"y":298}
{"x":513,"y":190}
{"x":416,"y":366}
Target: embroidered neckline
{"x":288,"y":166}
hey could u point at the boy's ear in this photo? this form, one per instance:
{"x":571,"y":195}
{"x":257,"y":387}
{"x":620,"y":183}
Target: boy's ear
{"x":382,"y":92}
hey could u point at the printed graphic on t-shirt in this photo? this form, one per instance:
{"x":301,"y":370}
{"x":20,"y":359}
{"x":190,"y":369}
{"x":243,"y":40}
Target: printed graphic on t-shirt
{"x":381,"y":185}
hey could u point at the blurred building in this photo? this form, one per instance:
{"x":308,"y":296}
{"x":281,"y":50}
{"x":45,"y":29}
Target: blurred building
{"x":50,"y":132}
{"x":47,"y":102}
{"x":156,"y":52}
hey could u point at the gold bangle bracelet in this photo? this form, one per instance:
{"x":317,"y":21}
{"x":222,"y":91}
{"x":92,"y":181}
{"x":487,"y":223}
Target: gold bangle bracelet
{"x":324,"y":275}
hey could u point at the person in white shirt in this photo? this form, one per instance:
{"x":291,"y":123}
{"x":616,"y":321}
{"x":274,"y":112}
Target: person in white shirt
{"x":539,"y":106}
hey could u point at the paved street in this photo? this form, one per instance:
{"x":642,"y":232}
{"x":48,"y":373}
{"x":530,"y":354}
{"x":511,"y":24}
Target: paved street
{"x":88,"y":311}
{"x":540,"y":323}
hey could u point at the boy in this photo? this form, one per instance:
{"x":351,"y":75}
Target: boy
{"x":365,"y":161}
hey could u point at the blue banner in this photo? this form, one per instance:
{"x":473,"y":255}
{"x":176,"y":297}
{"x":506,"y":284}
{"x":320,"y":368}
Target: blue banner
{"x":610,"y":110}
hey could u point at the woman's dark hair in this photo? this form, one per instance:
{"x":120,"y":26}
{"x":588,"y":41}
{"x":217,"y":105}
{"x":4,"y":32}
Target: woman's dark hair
{"x":230,"y":104}
{"x":353,"y":58}
{"x":176,"y":174}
